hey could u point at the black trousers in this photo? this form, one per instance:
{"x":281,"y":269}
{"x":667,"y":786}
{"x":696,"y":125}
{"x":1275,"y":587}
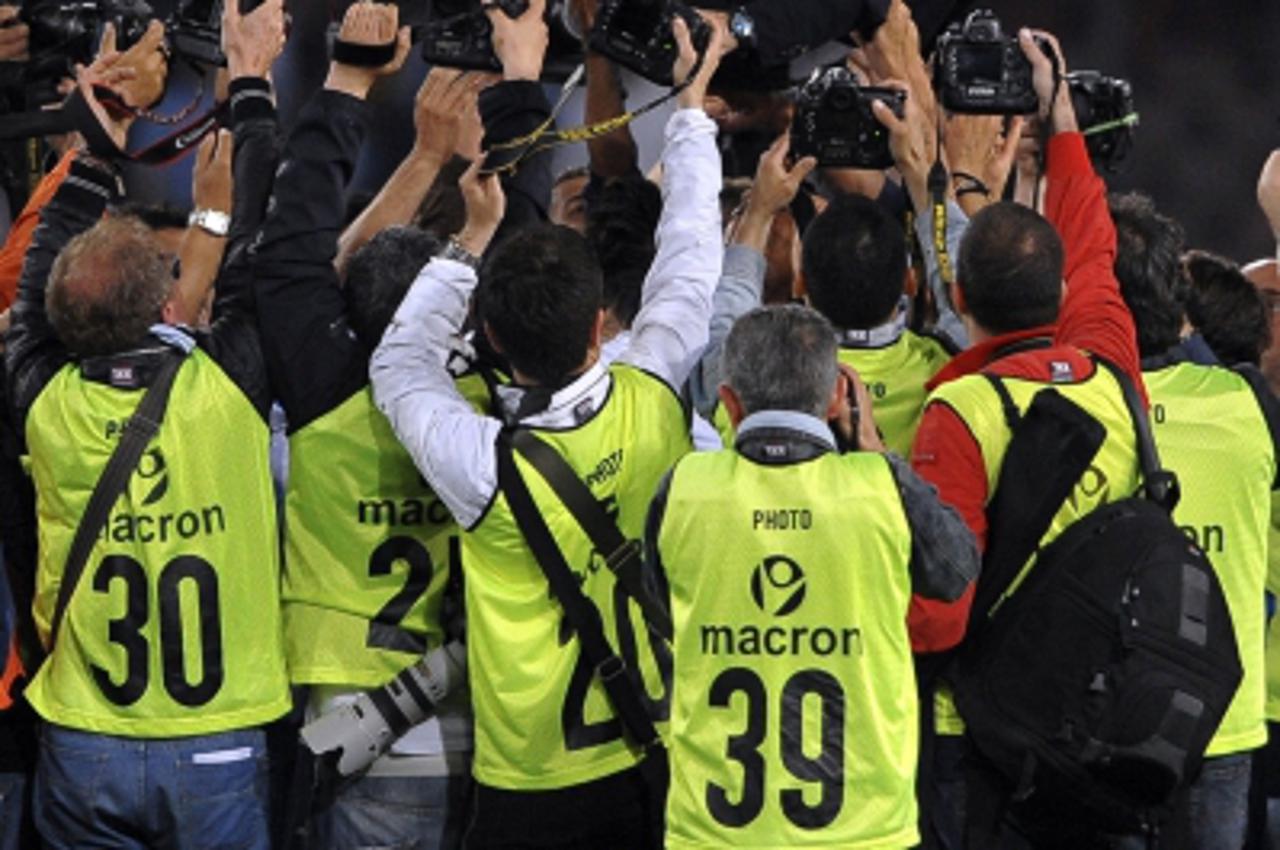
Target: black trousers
{"x":624,"y":811}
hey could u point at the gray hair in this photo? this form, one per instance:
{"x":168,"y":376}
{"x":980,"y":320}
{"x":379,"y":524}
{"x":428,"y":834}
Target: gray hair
{"x":782,"y":358}
{"x":108,"y":286}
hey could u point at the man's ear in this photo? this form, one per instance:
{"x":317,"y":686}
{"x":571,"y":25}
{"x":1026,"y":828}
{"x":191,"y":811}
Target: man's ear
{"x":732,"y":405}
{"x":910,"y":285}
{"x":169,"y":314}
{"x":597,"y":330}
{"x":839,"y":393}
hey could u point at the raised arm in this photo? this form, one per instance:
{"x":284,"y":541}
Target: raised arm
{"x":671,"y":326}
{"x":1094,"y":316}
{"x":450,"y":443}
{"x":313,"y":359}
{"x":741,"y":286}
{"x":446,"y":99}
{"x":203,"y":245}
{"x":615,"y":154}
{"x":34,"y":353}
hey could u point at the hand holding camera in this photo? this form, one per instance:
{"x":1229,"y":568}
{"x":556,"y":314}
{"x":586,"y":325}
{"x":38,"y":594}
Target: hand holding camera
{"x":688,"y":61}
{"x":368,"y":25}
{"x":836,"y":120}
{"x":639,"y":35}
{"x":1049,"y":77}
{"x":136,"y":78}
{"x":520,"y":41}
{"x":14,"y":36}
{"x":149,"y":59}
{"x":252,"y":42}
{"x":854,"y":426}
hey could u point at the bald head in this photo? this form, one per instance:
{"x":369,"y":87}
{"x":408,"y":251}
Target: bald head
{"x":108,"y":286}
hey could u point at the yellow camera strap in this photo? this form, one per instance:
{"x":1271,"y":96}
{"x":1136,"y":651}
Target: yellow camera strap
{"x":547,"y":136}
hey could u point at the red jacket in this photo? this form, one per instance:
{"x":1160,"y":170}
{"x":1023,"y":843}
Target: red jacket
{"x":1093,"y":319}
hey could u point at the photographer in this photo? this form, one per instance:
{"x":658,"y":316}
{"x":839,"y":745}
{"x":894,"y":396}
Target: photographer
{"x":1210,"y":416}
{"x":553,"y":765}
{"x":859,"y":533}
{"x":1010,"y":294}
{"x":369,"y":550}
{"x":144,"y":743}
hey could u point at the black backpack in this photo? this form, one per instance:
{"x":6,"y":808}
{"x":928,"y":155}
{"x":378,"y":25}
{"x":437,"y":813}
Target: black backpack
{"x":1094,"y":688}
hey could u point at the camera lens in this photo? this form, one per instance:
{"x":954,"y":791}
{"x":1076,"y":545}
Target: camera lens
{"x":841,"y":99}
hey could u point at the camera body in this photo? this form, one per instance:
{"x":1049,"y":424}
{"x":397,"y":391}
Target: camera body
{"x":981,"y":71}
{"x":637,"y":35}
{"x":835,"y":124}
{"x":66,"y":32}
{"x":1100,"y":101}
{"x":459,"y":34}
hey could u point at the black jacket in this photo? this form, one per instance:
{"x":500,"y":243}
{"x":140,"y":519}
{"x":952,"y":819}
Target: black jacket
{"x":313,"y":356}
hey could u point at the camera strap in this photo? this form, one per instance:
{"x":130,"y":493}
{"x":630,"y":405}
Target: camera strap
{"x":546,"y":136}
{"x":138,"y":432}
{"x":579,"y":610}
{"x":937,"y":185}
{"x":168,"y":149}
{"x":364,"y":55}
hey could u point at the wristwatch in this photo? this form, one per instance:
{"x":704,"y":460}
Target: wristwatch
{"x":743,"y":27}
{"x":453,"y":250}
{"x":214,"y":222}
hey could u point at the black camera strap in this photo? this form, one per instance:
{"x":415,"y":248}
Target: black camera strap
{"x":580,"y":611}
{"x":364,"y":55}
{"x":623,"y":557}
{"x":138,"y":432}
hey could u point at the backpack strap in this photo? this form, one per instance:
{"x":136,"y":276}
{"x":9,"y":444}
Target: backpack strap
{"x":1159,"y":485}
{"x":624,"y":557}
{"x":138,"y":432}
{"x":1029,"y":493}
{"x":1012,"y":416}
{"x":581,"y":612}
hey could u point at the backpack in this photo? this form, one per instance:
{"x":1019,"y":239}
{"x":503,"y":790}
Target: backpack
{"x":1094,"y":688}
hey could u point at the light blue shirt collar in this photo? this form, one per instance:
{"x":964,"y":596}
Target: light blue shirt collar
{"x":791,"y":420}
{"x":174,"y":337}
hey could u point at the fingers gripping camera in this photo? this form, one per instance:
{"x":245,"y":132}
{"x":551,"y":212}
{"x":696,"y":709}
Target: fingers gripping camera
{"x":834,"y":122}
{"x":356,"y":734}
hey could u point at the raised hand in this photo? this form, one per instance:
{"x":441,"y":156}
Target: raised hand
{"x":368,"y":25}
{"x":520,"y":43}
{"x":252,"y":42}
{"x":695,"y":93}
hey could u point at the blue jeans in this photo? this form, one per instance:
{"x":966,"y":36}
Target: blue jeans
{"x":13,"y":797}
{"x":1218,"y":804}
{"x":201,"y":793}
{"x":396,"y":813}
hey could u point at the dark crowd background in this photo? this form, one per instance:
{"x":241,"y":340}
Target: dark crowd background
{"x":1205,"y":75}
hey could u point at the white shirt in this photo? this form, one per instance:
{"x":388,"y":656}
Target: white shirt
{"x":453,"y":445}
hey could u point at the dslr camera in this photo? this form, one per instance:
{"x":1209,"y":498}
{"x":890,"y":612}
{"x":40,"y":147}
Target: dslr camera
{"x":834,"y":122}
{"x":458,"y":34}
{"x":1105,"y":111}
{"x":66,"y":32}
{"x":637,"y":35}
{"x":981,"y":71}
